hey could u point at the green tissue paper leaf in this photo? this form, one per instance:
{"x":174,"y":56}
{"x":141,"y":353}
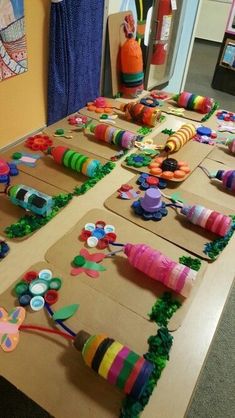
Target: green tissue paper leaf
{"x":66,"y":312}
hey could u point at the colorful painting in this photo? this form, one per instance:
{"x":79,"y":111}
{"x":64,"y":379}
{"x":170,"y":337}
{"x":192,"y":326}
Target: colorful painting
{"x":13,"y":53}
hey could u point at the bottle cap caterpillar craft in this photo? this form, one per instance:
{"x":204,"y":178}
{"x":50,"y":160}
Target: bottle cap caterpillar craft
{"x":111,"y":135}
{"x":115,"y":362}
{"x":192,"y":101}
{"x":30,"y":199}
{"x":141,"y":114}
{"x":180,"y":137}
{"x":227,"y":178}
{"x":159,"y":267}
{"x":72,"y":159}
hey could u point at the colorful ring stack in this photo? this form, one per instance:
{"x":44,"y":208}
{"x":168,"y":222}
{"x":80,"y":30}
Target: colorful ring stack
{"x":117,"y":364}
{"x":192,"y":101}
{"x":141,"y":114}
{"x":72,"y":159}
{"x":161,"y":268}
{"x":227,"y":178}
{"x":30,"y":199}
{"x":111,"y":135}
{"x":208,"y":219}
{"x":180,"y":137}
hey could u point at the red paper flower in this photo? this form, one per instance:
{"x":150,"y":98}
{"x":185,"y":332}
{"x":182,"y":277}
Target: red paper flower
{"x":39,"y":142}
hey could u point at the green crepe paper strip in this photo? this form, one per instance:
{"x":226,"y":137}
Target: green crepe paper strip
{"x":91,"y":265}
{"x":30,"y":223}
{"x":214,"y":248}
{"x":193,"y":263}
{"x":66,"y":312}
{"x":163,"y":309}
{"x":100,"y":174}
{"x":158,"y":354}
{"x":168,"y":131}
{"x":144,"y":130}
{"x":209,"y":114}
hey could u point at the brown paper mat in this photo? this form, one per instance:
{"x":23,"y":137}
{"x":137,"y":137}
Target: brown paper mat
{"x":52,"y":372}
{"x":120,"y":121}
{"x":121,"y":282}
{"x":221,"y":154}
{"x":87,"y":142}
{"x":49,"y":171}
{"x":10,"y":213}
{"x":174,"y":227}
{"x":187,"y":114}
{"x":193,"y":153}
{"x":200,"y":184}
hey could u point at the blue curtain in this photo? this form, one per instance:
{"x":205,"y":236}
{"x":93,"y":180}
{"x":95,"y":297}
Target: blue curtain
{"x":76,"y":30}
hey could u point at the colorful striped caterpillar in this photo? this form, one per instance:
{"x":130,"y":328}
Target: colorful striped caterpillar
{"x":192,"y":101}
{"x":111,"y":135}
{"x":161,"y":268}
{"x":115,"y":362}
{"x":72,"y":159}
{"x":208,"y":219}
{"x":141,"y":114}
{"x":227,"y":178}
{"x":180,"y":137}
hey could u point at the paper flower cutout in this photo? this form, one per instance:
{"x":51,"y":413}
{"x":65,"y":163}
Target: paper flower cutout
{"x":169,"y":168}
{"x":138,"y":160}
{"x":39,"y":142}
{"x":78,"y":120}
{"x":87,"y":263}
{"x":9,"y":327}
{"x":146,"y":181}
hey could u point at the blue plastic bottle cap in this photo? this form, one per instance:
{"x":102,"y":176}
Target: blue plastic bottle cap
{"x":45,"y":274}
{"x":203,"y":130}
{"x":92,"y":242}
{"x":89,"y":227}
{"x":24,"y":300}
{"x":109,"y":228}
{"x":37,"y":303}
{"x":38,"y":287}
{"x":99,"y":233}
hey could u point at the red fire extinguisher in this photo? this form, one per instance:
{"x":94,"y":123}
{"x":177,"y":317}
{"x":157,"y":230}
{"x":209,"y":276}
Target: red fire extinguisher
{"x":164,"y":19}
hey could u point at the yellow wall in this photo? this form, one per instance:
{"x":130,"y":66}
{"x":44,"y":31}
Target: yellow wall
{"x":23,"y":98}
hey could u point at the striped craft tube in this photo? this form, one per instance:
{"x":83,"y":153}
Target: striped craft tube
{"x":115,"y":362}
{"x":115,"y":136}
{"x":195,"y":102}
{"x":141,"y":114}
{"x":158,"y":266}
{"x":180,"y":137}
{"x":208,"y":219}
{"x":228,"y":179}
{"x":75,"y":161}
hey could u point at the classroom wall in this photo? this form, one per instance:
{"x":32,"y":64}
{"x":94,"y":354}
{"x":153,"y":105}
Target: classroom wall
{"x":23,"y":99}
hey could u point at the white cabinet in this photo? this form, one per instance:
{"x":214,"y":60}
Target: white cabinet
{"x":213,"y":19}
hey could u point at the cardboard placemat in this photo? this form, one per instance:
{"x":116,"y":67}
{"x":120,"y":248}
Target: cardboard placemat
{"x":222,"y":154}
{"x":62,"y":383}
{"x":193,"y":153}
{"x":121,"y":122}
{"x":174,"y":227}
{"x":85,"y":142}
{"x":10,"y":213}
{"x":200,"y":184}
{"x":49,"y":171}
{"x":186,"y":114}
{"x":122,"y":282}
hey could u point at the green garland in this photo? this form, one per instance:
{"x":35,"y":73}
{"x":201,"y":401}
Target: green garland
{"x":30,"y":223}
{"x":193,"y":263}
{"x":215,"y":106}
{"x":214,"y":248}
{"x":158,"y":354}
{"x":168,"y":131}
{"x":100,"y":173}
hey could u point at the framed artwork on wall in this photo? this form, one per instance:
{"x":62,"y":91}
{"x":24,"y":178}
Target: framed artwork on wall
{"x":13,"y":51}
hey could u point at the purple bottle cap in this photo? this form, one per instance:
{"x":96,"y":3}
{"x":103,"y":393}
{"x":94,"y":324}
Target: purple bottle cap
{"x":151,"y":201}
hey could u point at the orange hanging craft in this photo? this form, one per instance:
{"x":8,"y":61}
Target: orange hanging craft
{"x":131,"y":62}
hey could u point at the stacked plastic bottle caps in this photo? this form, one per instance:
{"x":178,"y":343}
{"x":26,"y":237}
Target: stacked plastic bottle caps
{"x":141,"y":114}
{"x":159,"y":267}
{"x":30,"y":199}
{"x":208,"y":219}
{"x":192,"y":101}
{"x":116,"y":363}
{"x":111,"y":135}
{"x":180,"y":137}
{"x":72,"y":159}
{"x":227,"y":178}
